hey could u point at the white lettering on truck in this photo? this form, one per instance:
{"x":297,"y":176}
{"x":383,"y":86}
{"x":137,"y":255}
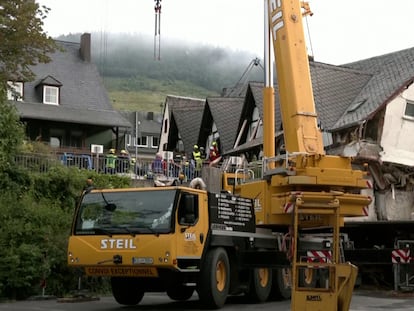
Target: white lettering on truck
{"x":117,"y":244}
{"x":277,"y":16}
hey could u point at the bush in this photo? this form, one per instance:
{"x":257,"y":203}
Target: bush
{"x":35,"y":223}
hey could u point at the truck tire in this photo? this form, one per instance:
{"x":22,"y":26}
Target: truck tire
{"x":260,"y":285}
{"x":180,"y":292}
{"x":214,"y":283}
{"x":126,"y":291}
{"x":281,"y":284}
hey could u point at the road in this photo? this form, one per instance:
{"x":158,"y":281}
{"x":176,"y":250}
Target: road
{"x":361,"y":301}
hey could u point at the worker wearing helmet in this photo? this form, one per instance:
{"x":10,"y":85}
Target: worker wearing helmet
{"x":214,"y":154}
{"x":110,"y":162}
{"x":216,"y":150}
{"x":197,"y":161}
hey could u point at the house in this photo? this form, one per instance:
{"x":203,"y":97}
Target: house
{"x":67,"y":106}
{"x":376,"y":127}
{"x":182,"y":119}
{"x":142,"y":139}
{"x":365,"y":110}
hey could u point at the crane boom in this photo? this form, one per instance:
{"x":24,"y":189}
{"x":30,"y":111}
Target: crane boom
{"x":295,"y":88}
{"x":301,"y":189}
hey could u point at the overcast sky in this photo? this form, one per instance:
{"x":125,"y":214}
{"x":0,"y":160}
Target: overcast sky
{"x":341,"y":31}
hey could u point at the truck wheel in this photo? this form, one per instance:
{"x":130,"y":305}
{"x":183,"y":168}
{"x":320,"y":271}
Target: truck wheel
{"x":214,"y":282}
{"x":180,"y":292}
{"x":126,"y":291}
{"x":260,"y":285}
{"x":281,"y":284}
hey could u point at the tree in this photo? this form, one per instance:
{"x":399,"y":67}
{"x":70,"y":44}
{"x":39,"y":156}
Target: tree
{"x":11,"y":133}
{"x":22,"y":45}
{"x":23,"y":42}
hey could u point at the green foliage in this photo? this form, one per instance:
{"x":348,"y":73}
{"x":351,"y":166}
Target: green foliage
{"x":11,"y":133}
{"x":33,"y":235}
{"x":23,"y":42}
{"x":35,"y":222}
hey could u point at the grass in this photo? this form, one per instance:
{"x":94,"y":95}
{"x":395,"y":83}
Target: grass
{"x":144,"y":94}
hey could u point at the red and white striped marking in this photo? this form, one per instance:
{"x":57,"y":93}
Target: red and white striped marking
{"x":400,"y":256}
{"x":319,"y":256}
{"x":365,"y":210}
{"x":288,"y":207}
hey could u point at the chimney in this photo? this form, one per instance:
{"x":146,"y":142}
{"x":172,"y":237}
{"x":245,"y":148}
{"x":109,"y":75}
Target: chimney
{"x":85,"y":47}
{"x":150,"y":115}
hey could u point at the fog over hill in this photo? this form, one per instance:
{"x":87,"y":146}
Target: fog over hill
{"x":131,"y":57}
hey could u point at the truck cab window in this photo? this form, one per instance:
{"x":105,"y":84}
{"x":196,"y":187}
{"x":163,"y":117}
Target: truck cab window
{"x":188,"y":209}
{"x":126,"y":212}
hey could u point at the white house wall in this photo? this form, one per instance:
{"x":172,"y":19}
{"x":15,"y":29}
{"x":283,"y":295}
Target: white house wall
{"x":164,"y":130}
{"x":399,"y":204}
{"x":397,"y":138}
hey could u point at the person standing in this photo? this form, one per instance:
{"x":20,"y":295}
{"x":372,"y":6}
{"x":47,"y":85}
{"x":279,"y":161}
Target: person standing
{"x":214,"y":155}
{"x":198,"y":161}
{"x":158,"y":166}
{"x":110,"y":162}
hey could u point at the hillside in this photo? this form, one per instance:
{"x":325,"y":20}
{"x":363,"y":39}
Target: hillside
{"x":137,"y":81}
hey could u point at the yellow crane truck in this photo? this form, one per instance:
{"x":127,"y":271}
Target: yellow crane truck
{"x":258,"y":240}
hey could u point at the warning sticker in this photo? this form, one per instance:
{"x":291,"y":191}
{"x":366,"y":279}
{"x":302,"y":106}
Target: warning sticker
{"x":122,"y":271}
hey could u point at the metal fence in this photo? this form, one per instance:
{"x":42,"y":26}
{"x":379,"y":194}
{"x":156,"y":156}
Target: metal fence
{"x":140,"y":169}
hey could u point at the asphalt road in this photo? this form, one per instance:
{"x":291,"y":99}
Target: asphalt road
{"x":361,"y":301}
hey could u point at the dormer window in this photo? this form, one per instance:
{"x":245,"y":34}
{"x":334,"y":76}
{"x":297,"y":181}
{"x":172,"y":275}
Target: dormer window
{"x":15,"y":91}
{"x":49,"y":89}
{"x":50,"y":95}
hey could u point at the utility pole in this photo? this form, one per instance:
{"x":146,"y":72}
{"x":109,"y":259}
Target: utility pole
{"x":137,"y":123}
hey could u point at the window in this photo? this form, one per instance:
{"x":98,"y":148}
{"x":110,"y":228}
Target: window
{"x":256,"y":126}
{"x":155,"y":142}
{"x":15,"y":91}
{"x":143,"y":141}
{"x":409,"y":109}
{"x":50,"y":95}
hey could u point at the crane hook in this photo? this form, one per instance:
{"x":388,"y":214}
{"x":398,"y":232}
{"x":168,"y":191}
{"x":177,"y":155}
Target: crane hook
{"x":157,"y":35}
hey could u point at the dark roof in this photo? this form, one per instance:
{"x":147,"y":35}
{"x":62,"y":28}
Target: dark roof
{"x":188,"y":113}
{"x":390,"y":74}
{"x":149,"y":122}
{"x":226,"y":112}
{"x":256,"y":89}
{"x":67,"y":114}
{"x":333,"y":89}
{"x":83,"y":98}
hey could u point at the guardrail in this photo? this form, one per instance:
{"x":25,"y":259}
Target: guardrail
{"x":142,"y":168}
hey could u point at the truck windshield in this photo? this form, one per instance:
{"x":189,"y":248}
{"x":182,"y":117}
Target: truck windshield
{"x":125,"y":212}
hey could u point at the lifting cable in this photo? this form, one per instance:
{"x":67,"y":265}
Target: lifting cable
{"x":316,"y":83}
{"x":157,"y":35}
